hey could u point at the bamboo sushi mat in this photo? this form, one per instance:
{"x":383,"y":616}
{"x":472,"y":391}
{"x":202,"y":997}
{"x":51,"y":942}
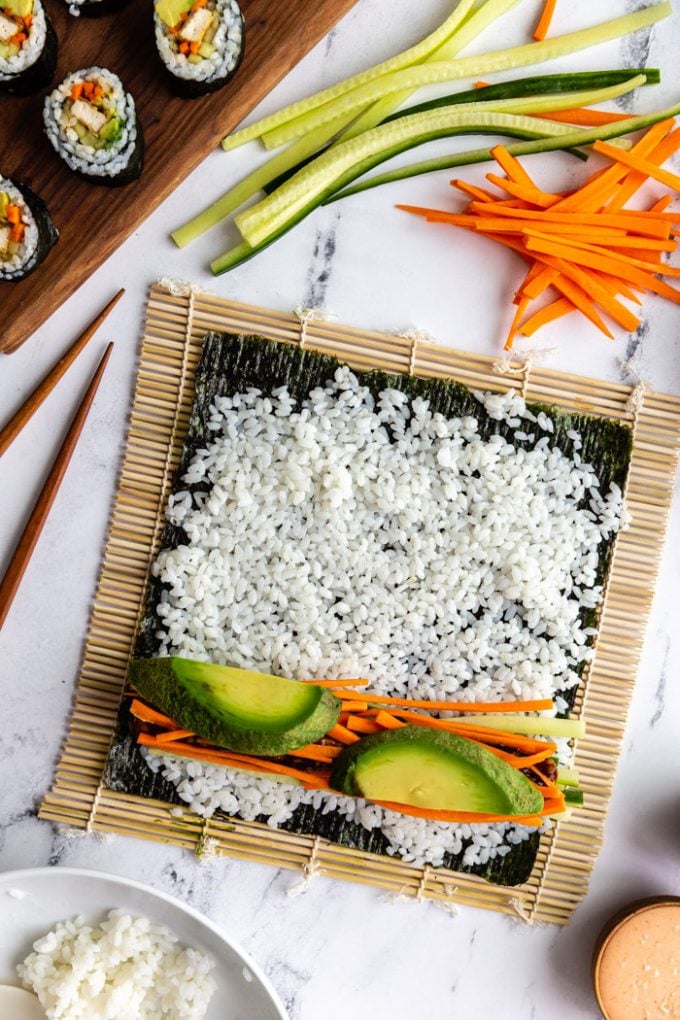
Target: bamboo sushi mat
{"x":177,"y":319}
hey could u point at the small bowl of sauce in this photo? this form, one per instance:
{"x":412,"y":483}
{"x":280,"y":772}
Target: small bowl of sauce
{"x":636,"y":965}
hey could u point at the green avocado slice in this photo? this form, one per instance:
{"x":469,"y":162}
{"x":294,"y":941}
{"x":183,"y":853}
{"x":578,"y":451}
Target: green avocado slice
{"x":170,"y":11}
{"x":245,"y":711}
{"x":433,"y":769}
{"x":20,"y":8}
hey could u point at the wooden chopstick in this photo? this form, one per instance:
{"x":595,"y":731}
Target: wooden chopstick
{"x":14,"y":426}
{"x":29,"y":539}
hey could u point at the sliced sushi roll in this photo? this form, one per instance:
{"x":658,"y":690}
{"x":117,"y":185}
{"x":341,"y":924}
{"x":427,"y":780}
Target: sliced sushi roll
{"x":26,"y":231}
{"x":94,"y":8}
{"x":28,"y":47}
{"x":200,"y":43}
{"x":91,"y":121}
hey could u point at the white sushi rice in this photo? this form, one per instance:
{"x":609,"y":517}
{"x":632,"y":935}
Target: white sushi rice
{"x":60,"y":126}
{"x":126,"y":967}
{"x":15,"y":266}
{"x":354,"y":537}
{"x":228,"y":43}
{"x":10,"y":67}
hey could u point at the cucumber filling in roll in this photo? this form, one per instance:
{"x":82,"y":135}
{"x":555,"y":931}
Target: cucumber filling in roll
{"x":26,"y":230}
{"x":28,"y":46}
{"x":200,"y":42}
{"x":92,"y":124}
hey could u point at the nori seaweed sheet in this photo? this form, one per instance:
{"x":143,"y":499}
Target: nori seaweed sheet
{"x":231,"y":364}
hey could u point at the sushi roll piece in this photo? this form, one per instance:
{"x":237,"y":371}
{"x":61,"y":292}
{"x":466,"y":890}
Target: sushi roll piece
{"x":28,"y":47}
{"x":94,"y":8}
{"x":200,"y":42}
{"x":26,"y":231}
{"x":91,"y":121}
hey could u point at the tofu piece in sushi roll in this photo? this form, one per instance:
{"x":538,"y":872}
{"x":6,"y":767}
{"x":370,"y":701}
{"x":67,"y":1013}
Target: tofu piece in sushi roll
{"x":200,"y":43}
{"x":91,"y":121}
{"x":26,"y":231}
{"x":28,"y":47}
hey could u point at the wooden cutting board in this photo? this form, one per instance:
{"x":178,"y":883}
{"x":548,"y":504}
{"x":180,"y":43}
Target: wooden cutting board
{"x":94,"y":220}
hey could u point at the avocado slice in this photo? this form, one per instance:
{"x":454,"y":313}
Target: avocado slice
{"x":170,"y":11}
{"x":20,"y":8}
{"x":245,"y":711}
{"x":4,"y":202}
{"x":433,"y":769}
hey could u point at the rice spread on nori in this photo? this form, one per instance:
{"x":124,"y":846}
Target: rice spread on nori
{"x":332,"y":523}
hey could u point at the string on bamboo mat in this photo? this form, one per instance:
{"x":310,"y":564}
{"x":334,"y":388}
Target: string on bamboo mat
{"x":309,"y":870}
{"x":634,"y":404}
{"x":415,"y":337}
{"x":206,"y":845}
{"x":307,"y":315}
{"x":521,"y":367}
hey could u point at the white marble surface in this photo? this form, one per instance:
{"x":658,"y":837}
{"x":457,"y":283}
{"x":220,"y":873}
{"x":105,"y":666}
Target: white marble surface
{"x":339,"y":950}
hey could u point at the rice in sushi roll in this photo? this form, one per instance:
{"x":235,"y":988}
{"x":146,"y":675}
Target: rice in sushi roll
{"x":26,"y":231}
{"x":91,"y":121}
{"x":200,"y":43}
{"x":28,"y":47}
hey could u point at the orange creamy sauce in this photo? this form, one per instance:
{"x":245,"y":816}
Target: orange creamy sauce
{"x":639,"y":973}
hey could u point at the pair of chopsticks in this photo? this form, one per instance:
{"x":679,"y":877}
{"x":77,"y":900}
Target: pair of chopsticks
{"x":29,"y":538}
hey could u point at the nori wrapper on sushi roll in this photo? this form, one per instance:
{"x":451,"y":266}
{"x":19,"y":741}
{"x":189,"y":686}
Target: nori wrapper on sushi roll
{"x":201,"y":47}
{"x":27,"y":233}
{"x":92,"y":124}
{"x":231,"y":364}
{"x":28,"y":66}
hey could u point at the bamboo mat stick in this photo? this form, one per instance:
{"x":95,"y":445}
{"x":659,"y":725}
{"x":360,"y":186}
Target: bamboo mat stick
{"x":14,"y":426}
{"x":29,"y":539}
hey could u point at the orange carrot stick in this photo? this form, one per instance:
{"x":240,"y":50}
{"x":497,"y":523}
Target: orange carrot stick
{"x":358,"y":725}
{"x":342,"y":734}
{"x":468,"y":817}
{"x":555,"y":310}
{"x":538,"y":705}
{"x":639,"y":163}
{"x":387,"y":721}
{"x":512,"y":167}
{"x":150,"y":715}
{"x":522,"y":306}
{"x":583,"y":116}
{"x":543,"y":26}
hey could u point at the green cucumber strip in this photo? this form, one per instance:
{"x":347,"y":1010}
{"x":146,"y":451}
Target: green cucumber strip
{"x":243,"y":252}
{"x":255,"y":222}
{"x":538,"y":85}
{"x":573,"y":797}
{"x":339,"y":189}
{"x":404,"y":59}
{"x":474,"y":25}
{"x":574,"y":139}
{"x":544,"y":84}
{"x":463,"y":67}
{"x":528,"y":724}
{"x":281,"y":165}
{"x":567,"y":776}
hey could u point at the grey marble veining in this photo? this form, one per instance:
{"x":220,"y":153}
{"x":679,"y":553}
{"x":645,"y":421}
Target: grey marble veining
{"x":336,"y":950}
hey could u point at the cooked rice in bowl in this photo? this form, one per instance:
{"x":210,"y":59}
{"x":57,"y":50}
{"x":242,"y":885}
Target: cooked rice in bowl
{"x":126,"y":968}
